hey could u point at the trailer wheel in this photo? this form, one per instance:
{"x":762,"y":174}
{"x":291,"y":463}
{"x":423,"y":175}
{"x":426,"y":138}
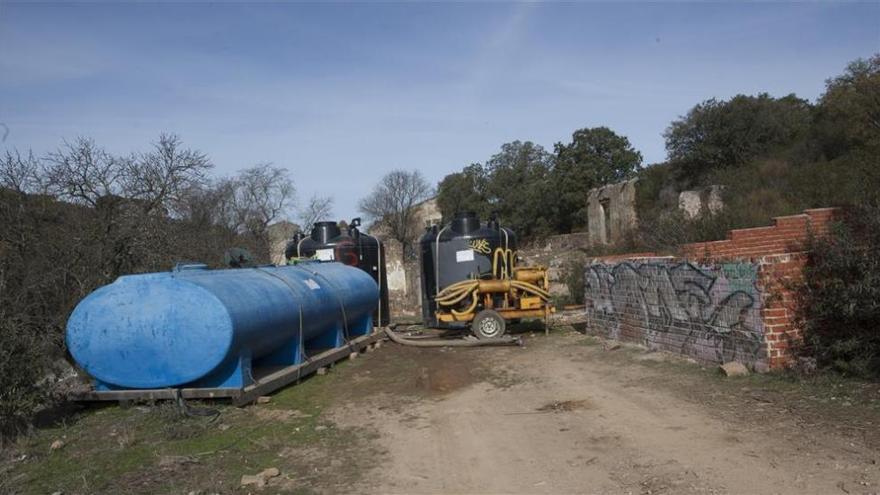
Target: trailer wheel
{"x":488,"y":324}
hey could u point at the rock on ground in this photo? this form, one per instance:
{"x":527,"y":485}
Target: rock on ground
{"x":260,"y":479}
{"x":734,"y":368}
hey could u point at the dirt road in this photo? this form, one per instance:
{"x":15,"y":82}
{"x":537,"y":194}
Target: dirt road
{"x":565,"y":415}
{"x":562,"y":415}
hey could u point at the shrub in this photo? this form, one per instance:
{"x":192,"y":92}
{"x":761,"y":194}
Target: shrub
{"x":23,"y":356}
{"x":571,"y":274}
{"x":839,"y":299}
{"x":657,"y":189}
{"x":667,"y":232}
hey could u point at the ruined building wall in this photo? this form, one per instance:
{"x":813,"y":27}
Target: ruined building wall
{"x":611,"y":212}
{"x":403,"y":271}
{"x":553,"y":253}
{"x":279,"y":235}
{"x":697,"y":202}
{"x":404,"y":280}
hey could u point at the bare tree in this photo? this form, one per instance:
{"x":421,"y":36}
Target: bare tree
{"x":210,"y":203}
{"x":243,"y":205}
{"x":132,"y":195}
{"x":22,"y":174}
{"x":82,"y":172}
{"x":263,"y":194}
{"x":392,"y":200}
{"x":316,"y":209}
{"x":160,"y":177}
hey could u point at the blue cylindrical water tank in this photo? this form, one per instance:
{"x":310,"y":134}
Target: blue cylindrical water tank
{"x":209,"y":328}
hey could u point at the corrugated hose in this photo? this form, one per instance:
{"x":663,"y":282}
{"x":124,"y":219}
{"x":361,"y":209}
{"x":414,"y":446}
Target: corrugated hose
{"x":503,"y":340}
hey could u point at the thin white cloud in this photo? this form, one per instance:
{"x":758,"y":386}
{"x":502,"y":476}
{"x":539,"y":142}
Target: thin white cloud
{"x":29,"y":58}
{"x":500,"y":50}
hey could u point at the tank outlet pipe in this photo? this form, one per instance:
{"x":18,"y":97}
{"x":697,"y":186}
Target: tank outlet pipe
{"x":503,"y":340}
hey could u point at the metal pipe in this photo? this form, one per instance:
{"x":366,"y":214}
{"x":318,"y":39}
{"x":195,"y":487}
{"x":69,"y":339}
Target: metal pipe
{"x":503,"y":340}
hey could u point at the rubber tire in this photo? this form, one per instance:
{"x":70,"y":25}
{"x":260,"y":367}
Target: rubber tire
{"x":484,"y":318}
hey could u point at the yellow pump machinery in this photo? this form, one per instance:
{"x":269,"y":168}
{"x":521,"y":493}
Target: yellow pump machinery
{"x":470,"y":278}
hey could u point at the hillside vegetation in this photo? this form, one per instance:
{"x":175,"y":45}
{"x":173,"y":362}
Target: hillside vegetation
{"x":774,"y":156}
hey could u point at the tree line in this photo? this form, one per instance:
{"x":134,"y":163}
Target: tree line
{"x":538,"y":193}
{"x":773,"y":157}
{"x":535,"y":193}
{"x":781,"y":154}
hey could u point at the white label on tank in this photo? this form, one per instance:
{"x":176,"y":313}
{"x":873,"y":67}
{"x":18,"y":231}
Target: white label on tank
{"x":312,"y":284}
{"x":325,"y":254}
{"x":465,"y":255}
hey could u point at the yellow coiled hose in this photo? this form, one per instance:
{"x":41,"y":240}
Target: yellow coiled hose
{"x":471,"y":308}
{"x":507,"y":258}
{"x":459,"y":291}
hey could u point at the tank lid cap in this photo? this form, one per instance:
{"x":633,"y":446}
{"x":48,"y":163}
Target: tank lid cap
{"x":465,"y":222}
{"x":322,"y":232}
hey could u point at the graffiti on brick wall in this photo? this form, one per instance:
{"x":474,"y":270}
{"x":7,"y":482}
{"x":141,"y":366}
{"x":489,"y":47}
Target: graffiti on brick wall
{"x":712,"y":313}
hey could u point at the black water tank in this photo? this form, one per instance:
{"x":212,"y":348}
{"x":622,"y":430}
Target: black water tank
{"x":327,"y":242}
{"x":461,"y":250}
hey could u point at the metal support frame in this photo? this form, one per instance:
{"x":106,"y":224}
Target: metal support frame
{"x":240,"y":396}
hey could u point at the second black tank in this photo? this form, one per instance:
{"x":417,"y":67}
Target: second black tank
{"x":327,"y":242}
{"x":460,"y":250}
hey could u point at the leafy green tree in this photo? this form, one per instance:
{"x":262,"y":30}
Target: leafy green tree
{"x":463,"y":191}
{"x":717,"y":133}
{"x":514,"y":183}
{"x":595,"y":157}
{"x":518,"y":188}
{"x":848,"y":114}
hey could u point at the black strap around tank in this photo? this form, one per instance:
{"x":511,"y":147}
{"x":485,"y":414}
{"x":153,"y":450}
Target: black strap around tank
{"x":345,"y":333}
{"x":302,"y":348}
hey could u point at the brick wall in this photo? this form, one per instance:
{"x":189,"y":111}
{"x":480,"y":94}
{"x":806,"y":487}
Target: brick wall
{"x":728,"y":300}
{"x":783,"y":237}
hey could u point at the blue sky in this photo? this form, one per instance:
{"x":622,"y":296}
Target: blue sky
{"x":341,"y":93}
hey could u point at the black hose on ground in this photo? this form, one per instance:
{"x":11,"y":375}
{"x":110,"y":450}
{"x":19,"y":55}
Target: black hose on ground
{"x":451,"y":333}
{"x":187,"y":410}
{"x":503,"y":340}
